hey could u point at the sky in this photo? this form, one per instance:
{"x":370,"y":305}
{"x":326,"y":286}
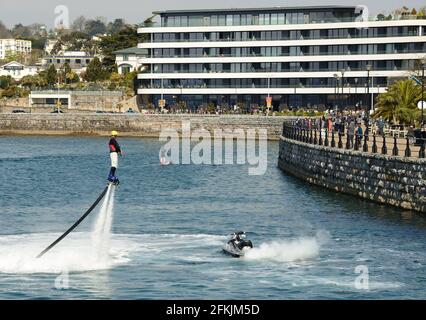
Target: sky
{"x":135,"y":11}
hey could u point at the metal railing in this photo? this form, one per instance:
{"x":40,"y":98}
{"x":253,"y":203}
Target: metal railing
{"x":313,"y":133}
{"x":313,"y":22}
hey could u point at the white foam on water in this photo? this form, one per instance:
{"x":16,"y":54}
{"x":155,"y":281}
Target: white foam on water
{"x":101,"y":233}
{"x":77,"y":252}
{"x":98,"y":250}
{"x":285,"y":250}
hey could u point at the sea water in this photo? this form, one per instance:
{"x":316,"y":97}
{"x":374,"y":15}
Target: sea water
{"x":160,"y":233}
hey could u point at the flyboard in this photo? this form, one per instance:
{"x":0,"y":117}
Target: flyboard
{"x":84,"y":216}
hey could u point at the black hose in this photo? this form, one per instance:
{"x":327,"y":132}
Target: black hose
{"x":75,"y":224}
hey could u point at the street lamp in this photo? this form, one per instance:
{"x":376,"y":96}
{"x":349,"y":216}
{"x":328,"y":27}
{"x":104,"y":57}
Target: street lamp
{"x":423,"y":88}
{"x":336,"y":85}
{"x":343,"y":85}
{"x":368,"y":67}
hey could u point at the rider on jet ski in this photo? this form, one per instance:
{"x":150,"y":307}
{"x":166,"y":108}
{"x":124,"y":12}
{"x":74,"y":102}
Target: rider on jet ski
{"x":236,"y":237}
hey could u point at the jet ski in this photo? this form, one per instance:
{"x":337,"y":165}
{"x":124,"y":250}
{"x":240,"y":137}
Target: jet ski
{"x":237,"y":246}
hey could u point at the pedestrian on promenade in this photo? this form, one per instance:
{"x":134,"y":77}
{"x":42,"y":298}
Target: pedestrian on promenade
{"x":351,"y":132}
{"x":359,"y":134}
{"x":380,"y":126}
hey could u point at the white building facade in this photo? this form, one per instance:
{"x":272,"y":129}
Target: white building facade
{"x":130,"y":59}
{"x":299,"y":56}
{"x":17,"y":70}
{"x":13,"y":46}
{"x":77,"y":60}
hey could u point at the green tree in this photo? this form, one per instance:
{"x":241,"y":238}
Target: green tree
{"x":5,"y":81}
{"x":95,"y":71}
{"x":93,"y":27}
{"x":399,"y":103}
{"x":125,"y":38}
{"x":51,"y":75}
{"x":116,"y":26}
{"x":78,"y":24}
{"x":4,"y":32}
{"x":33,"y":82}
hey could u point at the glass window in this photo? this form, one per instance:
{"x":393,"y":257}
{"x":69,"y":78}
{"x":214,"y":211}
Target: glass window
{"x":274,"y":18}
{"x":206,"y":21}
{"x":281,"y":18}
{"x":236,"y":19}
{"x":184,"y":21}
{"x":293,"y":18}
{"x":255,"y":20}
{"x":214,"y":20}
{"x":229,"y":20}
{"x":222,"y":20}
{"x":195,"y":21}
{"x":171,"y":22}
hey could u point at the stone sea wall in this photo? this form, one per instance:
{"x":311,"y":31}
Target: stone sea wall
{"x":130,"y":125}
{"x":391,"y":180}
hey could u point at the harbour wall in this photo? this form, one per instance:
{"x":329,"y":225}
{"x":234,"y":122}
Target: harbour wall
{"x":132,"y":125}
{"x":392,"y":180}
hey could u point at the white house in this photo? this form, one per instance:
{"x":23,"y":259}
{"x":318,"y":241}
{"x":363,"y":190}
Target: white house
{"x":17,"y":70}
{"x":12,"y":46}
{"x":128,"y":60}
{"x":77,"y":60}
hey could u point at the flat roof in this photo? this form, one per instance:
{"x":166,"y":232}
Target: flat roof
{"x":277,"y":8}
{"x":132,"y":50}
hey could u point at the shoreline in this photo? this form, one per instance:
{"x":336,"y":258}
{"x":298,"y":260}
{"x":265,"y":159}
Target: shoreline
{"x":136,"y":126}
{"x":27,"y":133}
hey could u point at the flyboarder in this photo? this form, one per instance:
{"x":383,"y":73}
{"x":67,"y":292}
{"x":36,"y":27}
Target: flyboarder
{"x":114,"y":152}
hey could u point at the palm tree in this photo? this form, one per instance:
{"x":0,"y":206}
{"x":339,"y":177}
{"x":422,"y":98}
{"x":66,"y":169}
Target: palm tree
{"x":399,"y":104}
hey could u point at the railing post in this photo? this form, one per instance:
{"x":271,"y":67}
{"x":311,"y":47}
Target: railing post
{"x":395,"y":150}
{"x":422,"y":149}
{"x":365,"y":146}
{"x":320,"y":136}
{"x":326,"y":138}
{"x":340,"y":143}
{"x":315,"y":137}
{"x":333,"y":142}
{"x":384,"y":147}
{"x":357,"y":142}
{"x":311,"y":136}
{"x":348,"y":142}
{"x":374,"y":148}
{"x":407,"y":149}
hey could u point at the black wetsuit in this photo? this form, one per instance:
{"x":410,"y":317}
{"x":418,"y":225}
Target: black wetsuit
{"x":114,"y":146}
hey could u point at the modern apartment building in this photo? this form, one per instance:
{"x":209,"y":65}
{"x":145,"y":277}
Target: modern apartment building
{"x":299,"y":56}
{"x":13,"y":46}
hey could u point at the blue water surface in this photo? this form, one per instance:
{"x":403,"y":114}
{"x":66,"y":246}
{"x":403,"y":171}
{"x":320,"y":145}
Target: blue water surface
{"x":170,"y":222}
